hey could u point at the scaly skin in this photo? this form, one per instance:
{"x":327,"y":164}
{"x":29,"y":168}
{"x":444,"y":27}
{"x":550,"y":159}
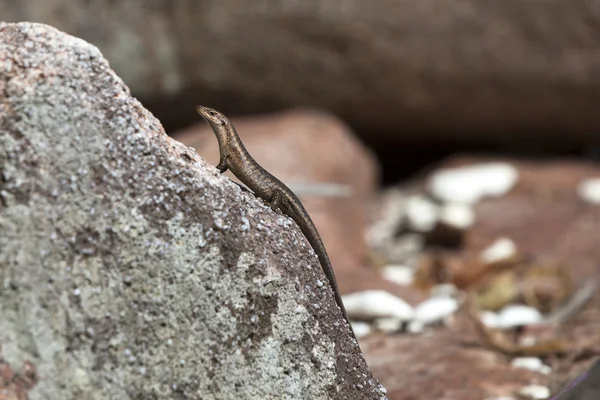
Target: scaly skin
{"x":236,"y":158}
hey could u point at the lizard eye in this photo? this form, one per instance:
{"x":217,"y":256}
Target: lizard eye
{"x":212,"y":113}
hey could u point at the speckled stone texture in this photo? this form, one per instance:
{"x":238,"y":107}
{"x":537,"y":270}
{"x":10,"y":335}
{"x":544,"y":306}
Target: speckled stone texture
{"x":129,"y":268}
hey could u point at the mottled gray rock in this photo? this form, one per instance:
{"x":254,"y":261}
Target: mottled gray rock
{"x":467,"y":71}
{"x":129,"y":268}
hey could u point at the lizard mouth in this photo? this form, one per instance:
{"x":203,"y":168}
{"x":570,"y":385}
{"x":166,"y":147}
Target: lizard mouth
{"x":202,"y":111}
{"x":207,"y":113}
{"x":212,"y":116}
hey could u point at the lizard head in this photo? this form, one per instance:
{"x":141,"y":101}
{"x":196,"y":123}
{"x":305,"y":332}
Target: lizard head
{"x":214,"y":118}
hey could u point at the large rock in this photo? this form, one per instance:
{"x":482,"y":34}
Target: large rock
{"x":129,"y":268}
{"x":408,"y":70}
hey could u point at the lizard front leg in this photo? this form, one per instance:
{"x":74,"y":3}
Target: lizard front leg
{"x":222,"y":165}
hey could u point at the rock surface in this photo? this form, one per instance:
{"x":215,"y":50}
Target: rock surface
{"x":464,"y":71}
{"x":129,"y":268}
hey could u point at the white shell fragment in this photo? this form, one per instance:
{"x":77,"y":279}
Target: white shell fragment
{"x":501,"y":398}
{"x":535,"y":392}
{"x":415,"y":327}
{"x":470,"y":184}
{"x":393,"y":211}
{"x":444,"y":290}
{"x":501,"y":249}
{"x":399,"y":274}
{"x":388,"y":325}
{"x":372,"y":304}
{"x":435,"y":309}
{"x":489,"y":319}
{"x":589,"y":190}
{"x":515,"y":315}
{"x":545,"y":369}
{"x":531,"y":363}
{"x":458,"y":216}
{"x":421,"y":214}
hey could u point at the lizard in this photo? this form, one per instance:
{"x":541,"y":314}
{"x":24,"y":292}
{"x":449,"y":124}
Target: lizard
{"x":235,"y":157}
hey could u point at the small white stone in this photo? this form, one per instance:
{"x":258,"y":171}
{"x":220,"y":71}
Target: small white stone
{"x":535,"y":392}
{"x":527,"y":341}
{"x":589,"y":190}
{"x":399,"y":274}
{"x":435,"y":309}
{"x":469,"y":184}
{"x":388,"y":325}
{"x":415,"y":326}
{"x":404,"y":249}
{"x":372,"y":304}
{"x":518,"y":315}
{"x":545,"y":369}
{"x":530,"y":363}
{"x":393,"y":211}
{"x":361,"y":329}
{"x":444,"y":290}
{"x":459,"y":216}
{"x":490,"y":319}
{"x":421,"y":214}
{"x":500,"y":398}
{"x":501,"y":249}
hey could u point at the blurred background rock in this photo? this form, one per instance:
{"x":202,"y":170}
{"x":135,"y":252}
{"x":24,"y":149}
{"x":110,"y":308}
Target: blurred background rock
{"x":415,"y":80}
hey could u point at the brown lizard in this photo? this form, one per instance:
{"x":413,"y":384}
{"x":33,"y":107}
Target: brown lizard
{"x":236,"y":158}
